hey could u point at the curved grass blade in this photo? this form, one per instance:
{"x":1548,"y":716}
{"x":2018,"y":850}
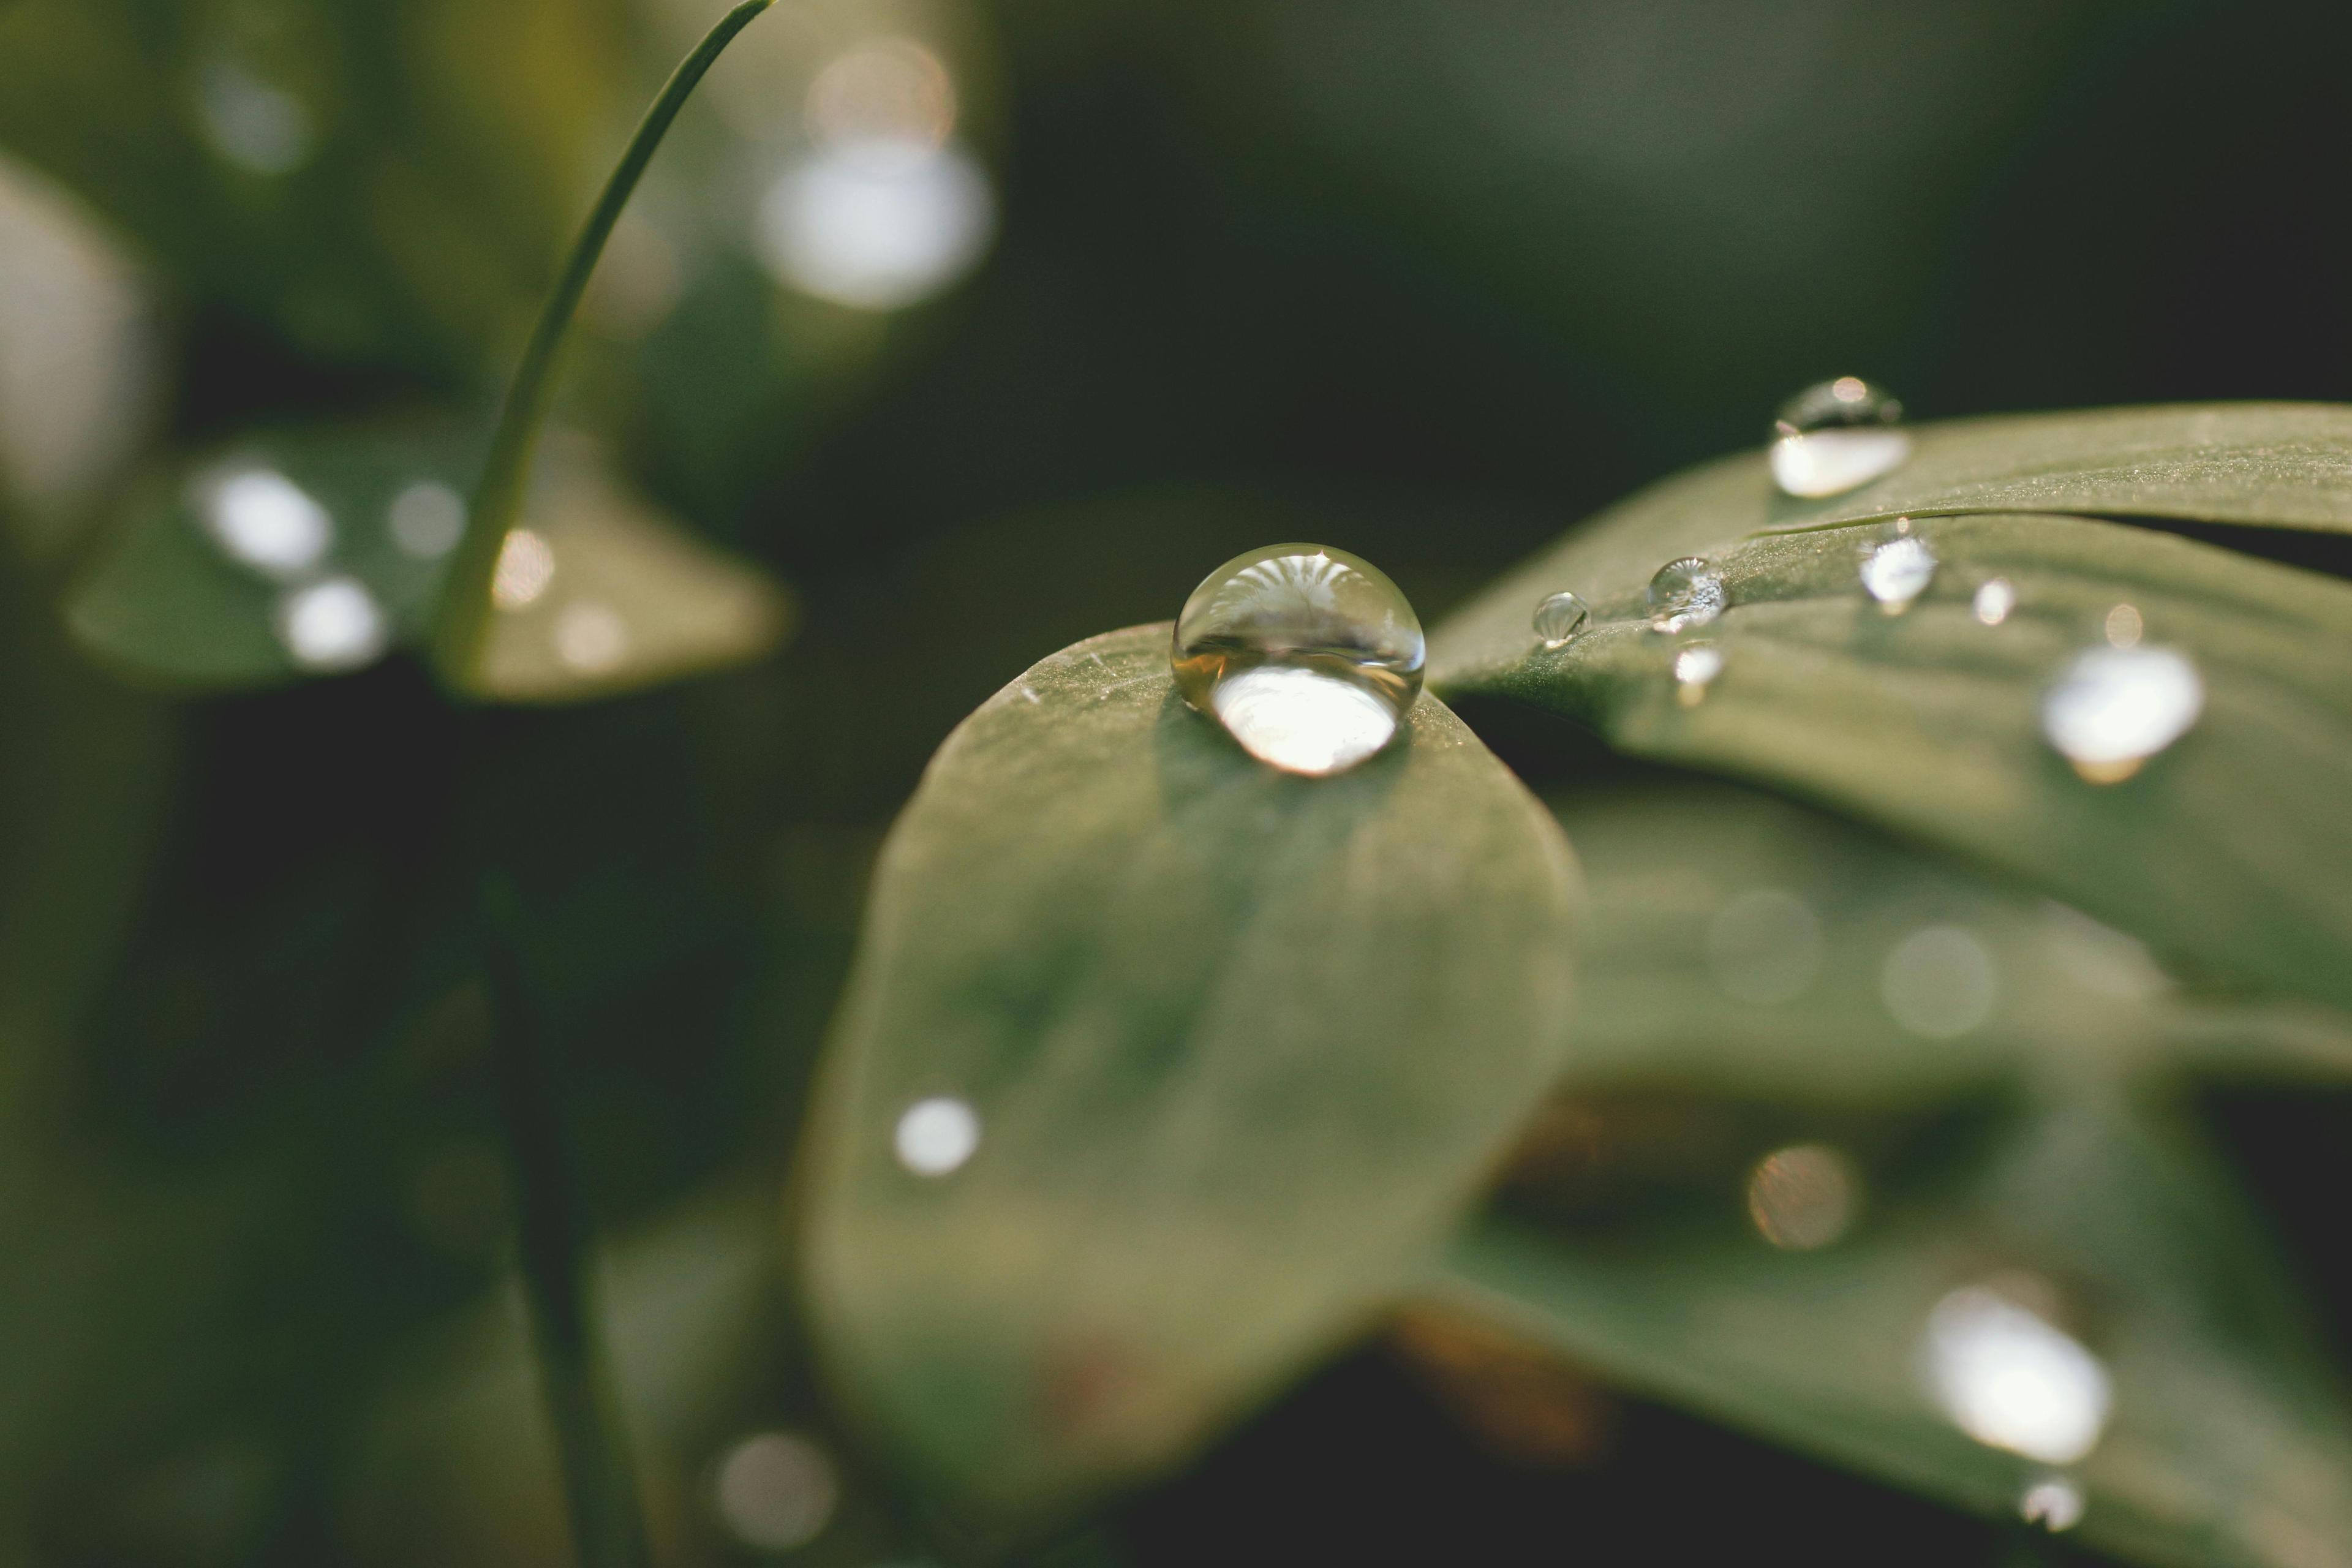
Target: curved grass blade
{"x":2226,"y":853}
{"x":1235,"y":1047}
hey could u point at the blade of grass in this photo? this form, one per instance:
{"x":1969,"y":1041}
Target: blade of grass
{"x":462,"y":622}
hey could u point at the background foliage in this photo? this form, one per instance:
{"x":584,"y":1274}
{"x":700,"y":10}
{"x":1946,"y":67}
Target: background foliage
{"x":1428,"y":281}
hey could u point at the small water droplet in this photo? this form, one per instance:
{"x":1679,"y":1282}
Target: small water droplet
{"x":1836,"y":437}
{"x":427,"y":519}
{"x":1307,"y":656}
{"x":1939,"y":983}
{"x":1899,"y":570}
{"x":1561,"y":618}
{"x":1803,"y":1197}
{"x":265,"y":521}
{"x":2111,"y":708}
{"x":937,"y":1135}
{"x":2123,"y":626}
{"x":2051,"y":1504}
{"x":333,"y":625}
{"x":1695,"y":667}
{"x":2012,"y":1379}
{"x":776,"y":1491}
{"x":1685,"y":593}
{"x":1994,"y":600}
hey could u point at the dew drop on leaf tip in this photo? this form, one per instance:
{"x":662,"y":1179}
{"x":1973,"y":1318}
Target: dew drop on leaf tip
{"x":1560,"y":618}
{"x":1309,"y":657}
{"x":1685,"y":593}
{"x":1898,"y":569}
{"x":1835,"y":436}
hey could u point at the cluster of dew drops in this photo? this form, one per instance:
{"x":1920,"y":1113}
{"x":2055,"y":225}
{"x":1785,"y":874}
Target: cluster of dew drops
{"x":2106,"y":710}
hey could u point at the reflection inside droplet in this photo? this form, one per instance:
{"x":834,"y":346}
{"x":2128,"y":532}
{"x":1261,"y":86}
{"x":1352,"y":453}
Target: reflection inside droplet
{"x":591,"y":637}
{"x":935,"y":1136}
{"x":2123,"y":627}
{"x":1804,"y":1197}
{"x":1695,"y":667}
{"x":2014,"y":1380}
{"x":260,"y":128}
{"x":427,"y":519}
{"x":1994,"y":600}
{"x":263,"y":520}
{"x":1561,"y":618}
{"x":1835,"y":436}
{"x":776,"y":1491}
{"x":2053,"y":1503}
{"x":1307,"y":656}
{"x":1684,"y":594}
{"x":1898,"y":571}
{"x":2111,"y":708}
{"x":332,"y":625}
{"x":1939,"y":983}
{"x":876,"y":223}
{"x":1764,"y":946}
{"x":526,"y":565}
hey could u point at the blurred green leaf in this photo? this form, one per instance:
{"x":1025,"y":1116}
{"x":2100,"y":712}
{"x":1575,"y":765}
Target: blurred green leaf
{"x":2229,"y":1434}
{"x":2225,"y":852}
{"x":1238,"y":1044}
{"x":311,"y":552}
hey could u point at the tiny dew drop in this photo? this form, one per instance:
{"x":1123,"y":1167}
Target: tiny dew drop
{"x":935,"y":1136}
{"x":1685,"y":593}
{"x":1695,"y":667}
{"x":1309,"y":657}
{"x":1897,"y":569}
{"x":1836,"y":437}
{"x":1561,"y":618}
{"x":1994,"y":600}
{"x":2051,"y":1504}
{"x":2111,"y":708}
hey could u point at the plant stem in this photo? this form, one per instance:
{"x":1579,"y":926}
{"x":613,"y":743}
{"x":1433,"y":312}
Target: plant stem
{"x":461,"y":623}
{"x":608,"y":1527}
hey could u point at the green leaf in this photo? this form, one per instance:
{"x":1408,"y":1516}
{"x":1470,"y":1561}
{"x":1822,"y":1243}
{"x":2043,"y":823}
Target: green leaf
{"x":2229,"y":1434}
{"x":2226,"y":852}
{"x":1240,"y":1045}
{"x":198,"y":591}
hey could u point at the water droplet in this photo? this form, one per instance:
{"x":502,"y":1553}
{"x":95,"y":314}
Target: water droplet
{"x":1695,"y":667}
{"x":263,"y":520}
{"x":591,"y":637}
{"x":333,"y":625}
{"x":2051,"y":1504}
{"x":1897,"y":571}
{"x":1561,"y":618}
{"x":1804,"y":1197}
{"x":776,"y":1491}
{"x":427,"y":519}
{"x":1685,"y":593}
{"x":2111,"y":708}
{"x":937,"y":1135}
{"x":2012,"y":1379}
{"x":1307,"y":656}
{"x":1939,"y":983}
{"x":1764,"y":946}
{"x":2123,"y":626}
{"x":1994,"y":600}
{"x":1836,"y":437}
{"x":526,"y":565}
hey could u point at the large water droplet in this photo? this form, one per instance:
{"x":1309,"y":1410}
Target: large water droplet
{"x":1836,"y":437}
{"x":2012,"y":1379}
{"x":2111,"y":708}
{"x":1685,"y":593}
{"x":1307,"y":656}
{"x":263,"y":520}
{"x":1561,"y":618}
{"x":1897,"y":571}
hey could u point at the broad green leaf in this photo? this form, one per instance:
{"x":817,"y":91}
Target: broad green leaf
{"x":1745,"y":947}
{"x":2228,"y":1436}
{"x":2225,"y":852}
{"x":1239,"y":1045}
{"x":311,"y":552}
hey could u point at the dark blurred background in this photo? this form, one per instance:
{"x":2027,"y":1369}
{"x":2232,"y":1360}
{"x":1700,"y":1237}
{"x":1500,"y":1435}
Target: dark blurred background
{"x":1150,"y":283}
